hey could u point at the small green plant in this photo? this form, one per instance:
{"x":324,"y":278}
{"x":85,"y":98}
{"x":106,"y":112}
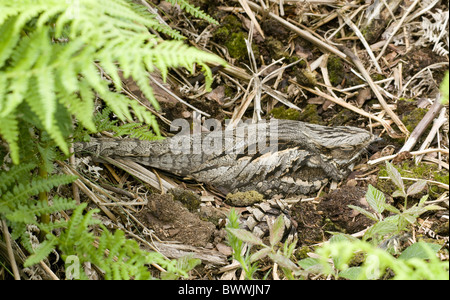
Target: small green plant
{"x":19,"y":209}
{"x":117,"y":256}
{"x":241,"y":252}
{"x":240,"y":241}
{"x":417,"y":262}
{"x":344,"y":256}
{"x":387,"y":226}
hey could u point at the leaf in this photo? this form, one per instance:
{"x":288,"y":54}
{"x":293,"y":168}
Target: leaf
{"x":260,"y":254}
{"x":42,"y":251}
{"x":381,"y":228}
{"x":310,"y":264}
{"x":353,"y":273}
{"x":10,"y":133}
{"x":420,"y":250}
{"x":398,"y":193}
{"x":376,"y":199}
{"x":246,"y":236}
{"x":391,"y":208}
{"x":423,"y":199}
{"x":416,"y":187}
{"x":283,"y":261}
{"x":364,"y":212}
{"x":276,"y":230}
{"x":395,"y":176}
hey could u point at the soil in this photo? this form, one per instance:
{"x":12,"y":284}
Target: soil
{"x":171,"y":221}
{"x":331,"y":214}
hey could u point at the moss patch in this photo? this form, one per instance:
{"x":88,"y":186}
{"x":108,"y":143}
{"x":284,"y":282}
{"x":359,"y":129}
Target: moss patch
{"x":190,"y":200}
{"x":244,"y":198}
{"x":305,"y":77}
{"x":310,"y":115}
{"x":413,"y":118}
{"x":230,"y":34}
{"x":285,"y":114}
{"x":335,"y":70}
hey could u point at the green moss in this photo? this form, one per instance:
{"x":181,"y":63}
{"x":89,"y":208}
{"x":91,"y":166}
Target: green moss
{"x":276,"y":48}
{"x":236,"y":45}
{"x":413,"y":118}
{"x":190,"y":200}
{"x":230,"y":34}
{"x":310,"y":115}
{"x":329,"y":225}
{"x":377,"y":77}
{"x":229,"y":92}
{"x":335,"y":70}
{"x":342,"y":117}
{"x":286,"y":114}
{"x":302,"y":253}
{"x":244,"y":198}
{"x":339,"y":72}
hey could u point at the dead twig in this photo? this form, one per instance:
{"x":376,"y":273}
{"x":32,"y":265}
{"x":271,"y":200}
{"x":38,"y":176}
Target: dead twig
{"x":413,"y":153}
{"x":423,"y":124}
{"x":377,"y":93}
{"x":348,"y":106}
{"x":12,"y":260}
{"x":251,"y":15}
{"x":79,"y":182}
{"x":397,"y":27}
{"x":362,"y":39}
{"x":439,"y":184}
{"x":438,"y":122}
{"x":302,"y":33}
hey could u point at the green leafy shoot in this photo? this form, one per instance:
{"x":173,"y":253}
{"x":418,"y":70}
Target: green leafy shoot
{"x":417,"y":262}
{"x":387,"y":226}
{"x":239,"y":239}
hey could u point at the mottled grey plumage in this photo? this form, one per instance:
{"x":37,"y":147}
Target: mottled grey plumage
{"x":304,"y":157}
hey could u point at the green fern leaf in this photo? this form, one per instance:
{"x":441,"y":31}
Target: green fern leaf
{"x":22,"y":192}
{"x":9,"y":37}
{"x":42,"y":251}
{"x":195,"y":11}
{"x":27,"y":213}
{"x":9,"y":130}
{"x":14,"y":174}
{"x":19,"y":231}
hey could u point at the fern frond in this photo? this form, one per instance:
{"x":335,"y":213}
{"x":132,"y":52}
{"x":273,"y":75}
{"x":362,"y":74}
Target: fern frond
{"x":21,"y":192}
{"x":55,"y":62}
{"x":19,"y":231}
{"x":44,"y":249}
{"x":195,"y":11}
{"x":10,"y":132}
{"x":135,"y":130}
{"x":14,"y":174}
{"x":27,"y":213}
{"x":9,"y":37}
{"x":77,"y":230}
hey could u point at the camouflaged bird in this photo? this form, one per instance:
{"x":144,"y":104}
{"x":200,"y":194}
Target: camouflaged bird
{"x":287,"y":158}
